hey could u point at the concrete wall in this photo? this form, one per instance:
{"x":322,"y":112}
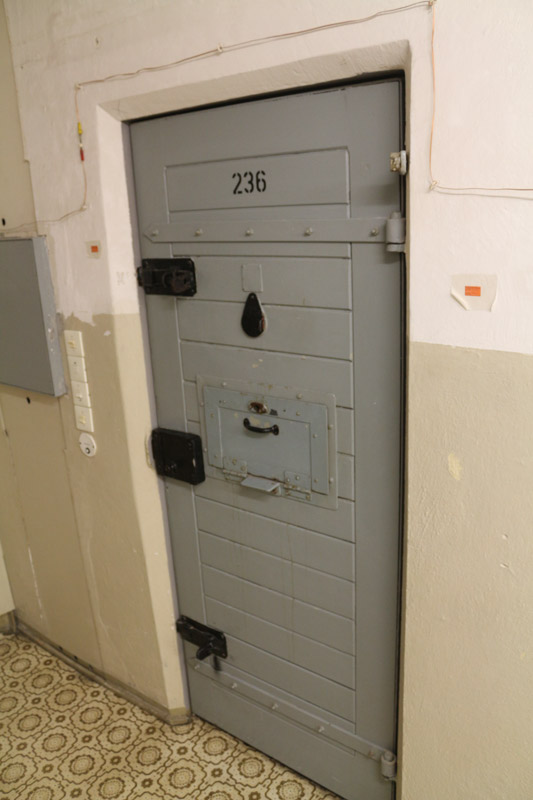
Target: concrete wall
{"x":467,"y":701}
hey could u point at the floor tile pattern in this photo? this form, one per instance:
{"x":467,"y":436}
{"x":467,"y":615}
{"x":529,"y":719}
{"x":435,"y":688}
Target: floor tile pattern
{"x":63,"y":736}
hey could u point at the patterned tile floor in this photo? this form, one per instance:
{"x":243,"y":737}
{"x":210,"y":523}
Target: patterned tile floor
{"x":64,"y":736}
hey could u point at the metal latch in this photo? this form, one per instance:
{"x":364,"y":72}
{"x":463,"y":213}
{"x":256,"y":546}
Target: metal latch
{"x":178,"y":455}
{"x":398,"y":162}
{"x":395,"y":233}
{"x":170,"y":276}
{"x":261,"y":484}
{"x":210,"y":641}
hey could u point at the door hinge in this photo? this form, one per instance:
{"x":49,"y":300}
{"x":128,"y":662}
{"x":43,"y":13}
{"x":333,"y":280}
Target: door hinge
{"x":398,"y":162}
{"x":170,"y":276}
{"x":178,"y":455}
{"x":388,"y":765}
{"x":395,"y":233}
{"x":210,"y":641}
{"x":354,"y":230}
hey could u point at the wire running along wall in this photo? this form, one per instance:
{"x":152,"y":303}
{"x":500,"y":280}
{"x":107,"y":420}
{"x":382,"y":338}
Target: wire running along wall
{"x":220,"y":49}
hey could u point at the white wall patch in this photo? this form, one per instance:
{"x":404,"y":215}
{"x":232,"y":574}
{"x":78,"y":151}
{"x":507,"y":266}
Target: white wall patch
{"x":475,"y":292}
{"x":93,"y":249}
{"x":252,"y":278}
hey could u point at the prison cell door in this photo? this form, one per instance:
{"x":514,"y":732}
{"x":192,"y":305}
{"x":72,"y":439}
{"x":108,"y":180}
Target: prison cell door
{"x":274,"y":313}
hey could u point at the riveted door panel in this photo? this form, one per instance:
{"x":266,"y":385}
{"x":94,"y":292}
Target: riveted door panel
{"x":290,"y":546}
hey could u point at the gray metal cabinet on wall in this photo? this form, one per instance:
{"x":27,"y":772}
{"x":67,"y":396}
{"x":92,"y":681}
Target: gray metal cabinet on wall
{"x":287,"y":362}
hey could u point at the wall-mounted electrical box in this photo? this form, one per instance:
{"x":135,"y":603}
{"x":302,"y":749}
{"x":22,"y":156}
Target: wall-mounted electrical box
{"x":30,"y":355}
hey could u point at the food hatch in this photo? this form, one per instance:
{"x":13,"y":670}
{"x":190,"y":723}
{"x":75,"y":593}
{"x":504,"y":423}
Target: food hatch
{"x":271,"y":439}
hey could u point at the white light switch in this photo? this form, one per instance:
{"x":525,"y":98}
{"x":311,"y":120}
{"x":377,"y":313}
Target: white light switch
{"x":80,"y":394}
{"x":74,"y":343}
{"x":84,"y":419}
{"x":76,"y":368}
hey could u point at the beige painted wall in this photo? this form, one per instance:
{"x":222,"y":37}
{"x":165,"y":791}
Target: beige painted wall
{"x":16,"y":203}
{"x":467,"y":667}
{"x":6,"y":598}
{"x":467,"y":699}
{"x":55,"y":594}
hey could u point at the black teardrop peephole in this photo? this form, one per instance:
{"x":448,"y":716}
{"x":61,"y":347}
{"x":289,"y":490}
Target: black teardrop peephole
{"x":253,"y":318}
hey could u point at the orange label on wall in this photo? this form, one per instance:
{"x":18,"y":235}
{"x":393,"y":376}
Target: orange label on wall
{"x":473,"y":291}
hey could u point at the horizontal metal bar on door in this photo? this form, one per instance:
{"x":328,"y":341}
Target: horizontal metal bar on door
{"x":284,"y":709}
{"x":271,"y":230}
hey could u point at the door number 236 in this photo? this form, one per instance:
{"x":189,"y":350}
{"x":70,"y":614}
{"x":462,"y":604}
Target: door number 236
{"x":248,"y":182}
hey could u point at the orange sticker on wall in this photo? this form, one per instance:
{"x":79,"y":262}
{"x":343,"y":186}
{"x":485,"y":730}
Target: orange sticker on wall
{"x":474,"y":292}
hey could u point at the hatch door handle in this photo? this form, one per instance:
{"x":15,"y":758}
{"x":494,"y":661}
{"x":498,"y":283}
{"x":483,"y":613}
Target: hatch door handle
{"x":255,"y":429}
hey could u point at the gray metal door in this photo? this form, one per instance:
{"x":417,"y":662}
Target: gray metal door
{"x":290,"y":546}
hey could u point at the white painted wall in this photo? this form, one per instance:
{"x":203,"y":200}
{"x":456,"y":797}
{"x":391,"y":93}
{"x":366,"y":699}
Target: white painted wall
{"x":484,"y":127}
{"x":14,"y":172}
{"x":483,"y":65}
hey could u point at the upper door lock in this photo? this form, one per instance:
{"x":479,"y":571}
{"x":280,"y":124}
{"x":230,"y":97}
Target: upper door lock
{"x":170,"y":276}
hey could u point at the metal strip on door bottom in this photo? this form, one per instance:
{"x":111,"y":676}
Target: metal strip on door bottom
{"x":350,"y":740}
